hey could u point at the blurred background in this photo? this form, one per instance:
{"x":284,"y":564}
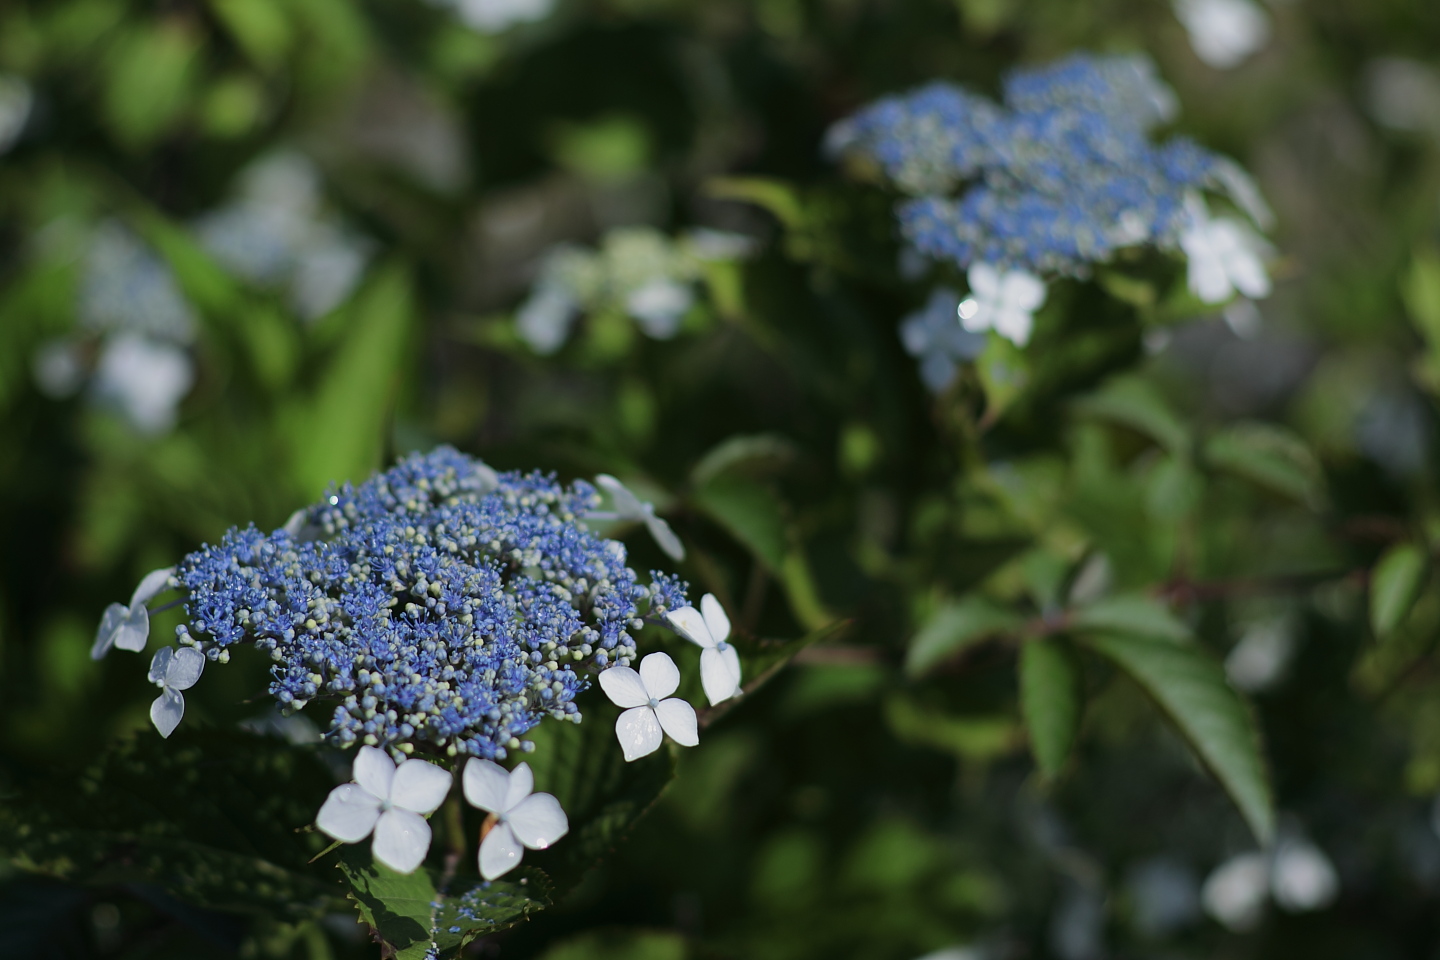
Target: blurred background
{"x":249,"y":248}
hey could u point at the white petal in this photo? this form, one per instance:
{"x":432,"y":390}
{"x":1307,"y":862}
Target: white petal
{"x":688,"y":622}
{"x":156,"y":581}
{"x":1206,"y":278}
{"x":639,"y":733}
{"x":485,"y":782}
{"x":374,"y":770}
{"x":538,"y":821}
{"x":160,"y":663}
{"x":166,"y":711}
{"x":732,"y":660}
{"x":1014,"y":325}
{"x":626,"y":503}
{"x":402,"y":839}
{"x":677,"y":718}
{"x":522,"y":781}
{"x":1023,"y":290}
{"x":349,"y":813}
{"x":984,"y":281}
{"x":624,"y":687}
{"x":717,"y":676}
{"x":980,"y":318}
{"x":665,"y":537}
{"x":184,"y":668}
{"x":109,"y":623}
{"x":419,"y":786}
{"x":715,"y":620}
{"x":133,"y":631}
{"x":660,"y":676}
{"x":500,"y":852}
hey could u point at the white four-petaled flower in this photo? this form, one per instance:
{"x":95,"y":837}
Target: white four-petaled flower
{"x":1003,"y":302}
{"x":648,"y":712}
{"x":128,"y":627}
{"x":390,"y":800}
{"x":630,"y":507}
{"x":173,"y":670}
{"x":709,"y":629}
{"x":1224,"y":257}
{"x":522,"y":819}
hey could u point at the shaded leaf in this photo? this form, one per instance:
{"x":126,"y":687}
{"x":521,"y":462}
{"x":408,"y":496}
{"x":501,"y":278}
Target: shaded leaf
{"x":1004,"y":374}
{"x":1133,"y":402}
{"x":1269,"y":457}
{"x":1133,"y":614}
{"x":747,"y":451}
{"x":1395,"y":586}
{"x":750,"y":513}
{"x":1049,"y":700}
{"x":209,"y":816}
{"x":1192,"y":690}
{"x":956,"y":626}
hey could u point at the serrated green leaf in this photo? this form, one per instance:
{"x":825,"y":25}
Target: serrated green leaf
{"x":1049,"y":700}
{"x":1192,"y":690}
{"x":750,"y":513}
{"x":411,"y":912}
{"x":1133,"y":614}
{"x":1269,"y":457}
{"x":602,"y":795}
{"x":956,"y":626}
{"x":1395,"y":586}
{"x":1135,"y":403}
{"x":209,"y":816}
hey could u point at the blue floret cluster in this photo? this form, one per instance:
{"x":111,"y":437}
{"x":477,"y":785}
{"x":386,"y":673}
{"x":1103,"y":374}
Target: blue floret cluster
{"x":1056,"y":179}
{"x":444,"y":606}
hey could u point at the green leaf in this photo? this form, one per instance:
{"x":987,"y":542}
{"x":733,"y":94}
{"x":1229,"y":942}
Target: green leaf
{"x":775,"y":196}
{"x":340,"y":434}
{"x":1134,"y":614}
{"x":211,"y":817}
{"x":1133,"y":402}
{"x":750,"y":513}
{"x":1420,"y":290}
{"x":746,"y":452}
{"x":412,"y":911}
{"x":1049,"y":700}
{"x":1192,"y":690}
{"x":261,"y":27}
{"x":1395,"y":586}
{"x":1269,"y":457}
{"x":620,"y":945}
{"x":1004,"y":374}
{"x":602,"y":795}
{"x":956,"y":626}
{"x":149,"y":80}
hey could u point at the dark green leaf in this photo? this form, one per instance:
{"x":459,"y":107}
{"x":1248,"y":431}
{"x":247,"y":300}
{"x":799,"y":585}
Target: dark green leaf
{"x":412,"y":911}
{"x":1049,"y":700}
{"x":1192,"y":690}
{"x":209,"y":816}
{"x":602,"y":795}
{"x":747,"y":452}
{"x":956,"y":626}
{"x":1395,"y":586}
{"x":1270,"y":457}
{"x":620,"y":945}
{"x":1133,"y":402}
{"x":1133,"y":614}
{"x":751,"y":514}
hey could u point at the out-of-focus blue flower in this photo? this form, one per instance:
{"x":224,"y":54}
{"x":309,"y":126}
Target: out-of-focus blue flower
{"x":933,"y":335}
{"x":438,"y":604}
{"x":1057,"y":179}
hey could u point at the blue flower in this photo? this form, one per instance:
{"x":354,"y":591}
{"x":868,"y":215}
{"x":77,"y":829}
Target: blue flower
{"x":933,"y":335}
{"x":439,"y":605}
{"x":1057,"y":179}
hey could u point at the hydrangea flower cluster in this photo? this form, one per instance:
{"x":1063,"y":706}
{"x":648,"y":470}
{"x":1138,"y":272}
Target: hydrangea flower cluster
{"x":439,"y":603}
{"x":637,"y":271}
{"x":447,"y":608}
{"x":1055,"y":180}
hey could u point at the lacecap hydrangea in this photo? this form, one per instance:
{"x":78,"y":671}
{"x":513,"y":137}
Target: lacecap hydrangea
{"x":1056,"y":178}
{"x":442,"y":606}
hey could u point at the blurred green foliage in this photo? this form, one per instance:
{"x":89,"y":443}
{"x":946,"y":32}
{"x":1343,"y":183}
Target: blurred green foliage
{"x":1116,"y":519}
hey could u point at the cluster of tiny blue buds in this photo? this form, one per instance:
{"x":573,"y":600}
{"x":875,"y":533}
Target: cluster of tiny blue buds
{"x":443,"y":605}
{"x":1055,"y":180}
